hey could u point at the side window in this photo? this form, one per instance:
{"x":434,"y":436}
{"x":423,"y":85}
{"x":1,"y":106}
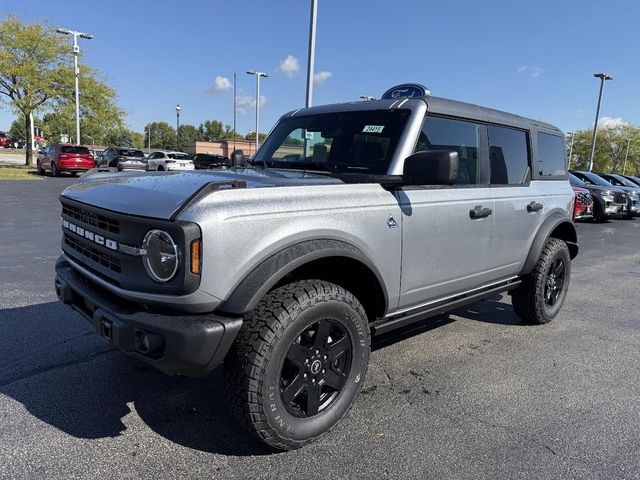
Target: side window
{"x":551,"y":155}
{"x":453,"y":136}
{"x":508,"y":155}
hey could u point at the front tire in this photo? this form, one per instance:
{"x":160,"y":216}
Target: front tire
{"x":298,"y":362}
{"x":40,"y":169}
{"x":543,"y":291}
{"x":54,"y":170}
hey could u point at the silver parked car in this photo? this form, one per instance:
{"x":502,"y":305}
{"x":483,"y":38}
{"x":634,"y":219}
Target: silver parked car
{"x":354,"y":219}
{"x":122,"y":158}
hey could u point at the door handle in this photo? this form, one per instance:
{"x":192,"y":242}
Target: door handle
{"x":534,"y":207}
{"x":480,"y":212}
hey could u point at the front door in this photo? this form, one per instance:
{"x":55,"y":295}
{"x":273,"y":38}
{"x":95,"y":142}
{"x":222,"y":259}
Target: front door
{"x":447,"y":231}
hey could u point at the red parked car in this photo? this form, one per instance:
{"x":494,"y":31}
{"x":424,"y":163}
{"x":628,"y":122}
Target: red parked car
{"x":64,"y":158}
{"x":584,"y":204}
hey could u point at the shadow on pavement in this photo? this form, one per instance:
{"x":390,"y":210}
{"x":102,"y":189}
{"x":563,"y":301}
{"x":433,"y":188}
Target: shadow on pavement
{"x":67,"y":376}
{"x":73,"y":380}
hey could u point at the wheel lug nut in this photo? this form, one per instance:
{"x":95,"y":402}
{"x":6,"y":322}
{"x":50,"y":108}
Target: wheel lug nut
{"x":305,"y":375}
{"x":324,"y":357}
{"x":317,"y":352}
{"x":324,"y":371}
{"x":306,"y":360}
{"x":313,"y":380}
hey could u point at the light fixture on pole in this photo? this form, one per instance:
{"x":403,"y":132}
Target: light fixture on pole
{"x":573,"y":136}
{"x":603,"y":77}
{"x":368,"y":98}
{"x":258,"y":75}
{"x":76,"y":71}
{"x":177,"y":127}
{"x":312,"y":52}
{"x":626,"y":156}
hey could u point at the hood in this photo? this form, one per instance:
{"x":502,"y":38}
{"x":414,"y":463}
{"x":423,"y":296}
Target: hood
{"x":161,"y":194}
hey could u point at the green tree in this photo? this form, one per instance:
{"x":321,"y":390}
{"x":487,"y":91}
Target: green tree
{"x":252,"y":136}
{"x":211,"y":130}
{"x":163,"y":135}
{"x":611,"y":149}
{"x":123,"y":137}
{"x":32,"y":69}
{"x":188,"y":135}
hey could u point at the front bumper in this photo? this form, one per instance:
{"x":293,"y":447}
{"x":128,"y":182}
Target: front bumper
{"x":184,"y":344}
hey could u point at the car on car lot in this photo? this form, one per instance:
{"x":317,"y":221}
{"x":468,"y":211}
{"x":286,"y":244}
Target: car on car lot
{"x":61,"y":158}
{"x":583,"y":208}
{"x":609,"y":201}
{"x":206,"y":161}
{"x":634,"y":179}
{"x":632,"y":190}
{"x":122,"y":158}
{"x":169,"y":160}
{"x":395,"y":210}
{"x":5,"y":140}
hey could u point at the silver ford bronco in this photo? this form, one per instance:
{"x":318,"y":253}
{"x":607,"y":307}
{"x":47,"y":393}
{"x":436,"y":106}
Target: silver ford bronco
{"x":351,"y":220}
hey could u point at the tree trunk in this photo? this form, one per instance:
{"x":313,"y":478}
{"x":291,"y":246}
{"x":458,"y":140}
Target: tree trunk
{"x":28,"y":149}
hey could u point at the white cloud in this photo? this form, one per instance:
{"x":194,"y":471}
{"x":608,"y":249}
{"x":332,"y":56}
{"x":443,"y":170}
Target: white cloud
{"x":243,"y":101}
{"x":220,"y":84}
{"x":321,"y":77}
{"x":534,"y":72}
{"x":609,"y":122}
{"x":289,"y":66}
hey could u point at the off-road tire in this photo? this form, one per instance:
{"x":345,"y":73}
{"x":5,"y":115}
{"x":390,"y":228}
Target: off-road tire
{"x":254,"y":365}
{"x":529,"y":298}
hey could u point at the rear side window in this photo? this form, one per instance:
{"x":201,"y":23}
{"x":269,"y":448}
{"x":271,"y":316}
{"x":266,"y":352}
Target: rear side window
{"x":76,"y":150}
{"x":508,"y":155}
{"x":130,"y":153}
{"x":453,"y":136}
{"x":551,"y":155}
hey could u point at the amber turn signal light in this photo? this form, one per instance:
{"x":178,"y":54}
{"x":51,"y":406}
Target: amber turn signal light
{"x":195,"y":256}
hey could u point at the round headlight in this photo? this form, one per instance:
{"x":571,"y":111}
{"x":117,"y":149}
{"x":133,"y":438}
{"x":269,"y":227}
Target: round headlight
{"x":161,"y":257}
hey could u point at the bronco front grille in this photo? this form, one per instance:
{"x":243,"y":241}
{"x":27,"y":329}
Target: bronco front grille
{"x":101,"y":222}
{"x":92,"y":252}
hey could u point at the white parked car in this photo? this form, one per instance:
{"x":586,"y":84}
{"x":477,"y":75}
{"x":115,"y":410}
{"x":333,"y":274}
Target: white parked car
{"x":168,"y":160}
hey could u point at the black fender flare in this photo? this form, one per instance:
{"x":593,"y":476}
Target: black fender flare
{"x":552,"y":222}
{"x":255,"y":285}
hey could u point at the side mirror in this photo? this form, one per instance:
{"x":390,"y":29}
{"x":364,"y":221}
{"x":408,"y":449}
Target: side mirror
{"x":433,"y":167}
{"x":40,"y":151}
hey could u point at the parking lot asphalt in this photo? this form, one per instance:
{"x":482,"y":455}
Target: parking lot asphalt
{"x":469,"y":395}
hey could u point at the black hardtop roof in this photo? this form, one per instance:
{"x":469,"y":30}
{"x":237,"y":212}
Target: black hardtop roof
{"x":436,"y":105}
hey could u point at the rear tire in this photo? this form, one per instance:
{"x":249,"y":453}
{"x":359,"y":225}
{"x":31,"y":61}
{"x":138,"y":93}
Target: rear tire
{"x":40,"y":169}
{"x":160,"y":168}
{"x":54,"y":170}
{"x":298,"y":362}
{"x":543,"y":291}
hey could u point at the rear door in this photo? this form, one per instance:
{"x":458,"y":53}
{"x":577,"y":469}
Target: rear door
{"x":446,"y":248}
{"x":519,"y":204}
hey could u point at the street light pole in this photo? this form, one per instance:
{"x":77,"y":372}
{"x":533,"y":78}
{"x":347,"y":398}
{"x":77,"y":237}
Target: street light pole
{"x":603,"y":77}
{"x":76,"y":71}
{"x":573,"y":135}
{"x":177,"y":127}
{"x":258,"y":75}
{"x":312,"y":52}
{"x":624,"y":168}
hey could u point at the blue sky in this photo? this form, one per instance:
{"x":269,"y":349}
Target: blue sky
{"x":531,"y":58}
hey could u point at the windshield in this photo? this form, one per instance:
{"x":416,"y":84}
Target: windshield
{"x":179,"y":156}
{"x":623,"y":181}
{"x":77,"y":150}
{"x":593,"y":179}
{"x":339,"y":142}
{"x":573,"y":180}
{"x":131,"y":153}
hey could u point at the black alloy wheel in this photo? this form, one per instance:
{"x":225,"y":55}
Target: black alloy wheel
{"x":316,"y":368}
{"x":555,"y":282}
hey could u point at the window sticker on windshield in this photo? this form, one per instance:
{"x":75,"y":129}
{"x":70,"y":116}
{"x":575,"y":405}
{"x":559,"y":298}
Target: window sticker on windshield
{"x":308,"y":135}
{"x":373,"y":129}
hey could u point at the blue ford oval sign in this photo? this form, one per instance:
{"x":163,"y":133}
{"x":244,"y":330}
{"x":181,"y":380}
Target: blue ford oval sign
{"x":406,"y":90}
